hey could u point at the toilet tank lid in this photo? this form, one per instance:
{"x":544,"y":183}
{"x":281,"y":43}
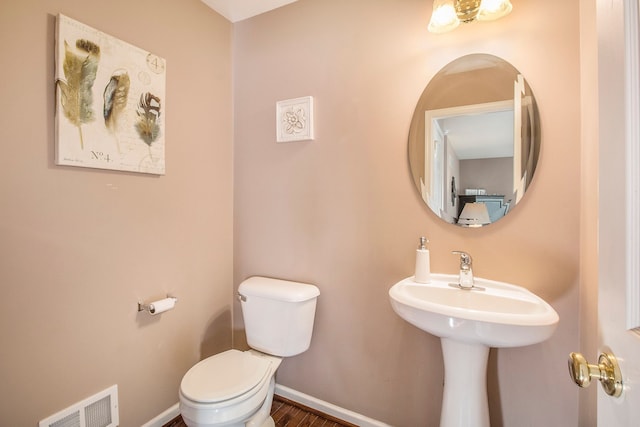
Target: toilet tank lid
{"x":278,"y":289}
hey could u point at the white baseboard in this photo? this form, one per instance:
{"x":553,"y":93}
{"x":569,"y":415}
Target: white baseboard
{"x":296,"y":396}
{"x":164,"y":417}
{"x":327,"y":408}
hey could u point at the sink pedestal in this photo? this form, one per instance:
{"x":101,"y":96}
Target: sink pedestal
{"x":464,"y":401}
{"x":496,"y":314}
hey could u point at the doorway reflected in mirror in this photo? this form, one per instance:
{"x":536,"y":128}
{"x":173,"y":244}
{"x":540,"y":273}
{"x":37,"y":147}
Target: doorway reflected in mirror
{"x":476,"y":124}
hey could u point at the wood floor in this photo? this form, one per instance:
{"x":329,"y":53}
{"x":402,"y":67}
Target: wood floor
{"x":287,"y":413}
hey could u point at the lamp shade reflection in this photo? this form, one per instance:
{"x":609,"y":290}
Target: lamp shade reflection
{"x":474,"y":215}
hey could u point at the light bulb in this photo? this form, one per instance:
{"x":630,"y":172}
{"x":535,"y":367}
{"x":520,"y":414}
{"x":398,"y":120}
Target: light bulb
{"x":494,"y":9}
{"x":443,"y":17}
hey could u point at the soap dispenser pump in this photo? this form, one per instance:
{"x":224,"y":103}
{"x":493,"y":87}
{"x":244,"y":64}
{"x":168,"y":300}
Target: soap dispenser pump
{"x":423,"y":263}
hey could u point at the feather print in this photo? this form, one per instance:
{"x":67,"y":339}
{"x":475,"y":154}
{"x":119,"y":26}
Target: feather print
{"x":116,"y":94}
{"x":148,"y":126}
{"x":80,"y":67}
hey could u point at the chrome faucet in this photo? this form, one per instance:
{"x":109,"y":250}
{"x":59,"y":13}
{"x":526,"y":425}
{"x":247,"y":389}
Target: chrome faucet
{"x":466,"y":272}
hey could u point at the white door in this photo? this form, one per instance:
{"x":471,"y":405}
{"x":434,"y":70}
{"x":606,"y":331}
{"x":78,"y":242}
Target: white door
{"x":619,"y":217}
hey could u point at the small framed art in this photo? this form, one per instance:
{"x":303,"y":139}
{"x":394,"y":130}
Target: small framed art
{"x":294,"y":119}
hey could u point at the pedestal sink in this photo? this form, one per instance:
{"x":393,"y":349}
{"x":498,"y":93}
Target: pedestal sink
{"x":469,"y":322}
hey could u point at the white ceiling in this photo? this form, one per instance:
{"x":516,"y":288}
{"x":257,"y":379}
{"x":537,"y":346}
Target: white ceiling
{"x":237,"y":10}
{"x":480,"y":136}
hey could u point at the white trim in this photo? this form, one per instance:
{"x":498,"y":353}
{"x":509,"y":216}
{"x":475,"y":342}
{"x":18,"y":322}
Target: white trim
{"x":436,"y":196}
{"x":487,"y":107}
{"x":296,"y":396}
{"x":164,"y":417}
{"x":519,"y":91}
{"x":633,"y":164}
{"x":327,"y":408}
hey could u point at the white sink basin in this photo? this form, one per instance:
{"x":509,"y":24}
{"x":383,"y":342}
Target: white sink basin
{"x":468,"y":322}
{"x":496,"y":315}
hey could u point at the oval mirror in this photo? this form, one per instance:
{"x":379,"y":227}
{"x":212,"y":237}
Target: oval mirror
{"x":474,"y":140}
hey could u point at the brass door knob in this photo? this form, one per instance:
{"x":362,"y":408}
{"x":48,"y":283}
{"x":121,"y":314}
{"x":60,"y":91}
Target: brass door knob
{"x":607,"y":371}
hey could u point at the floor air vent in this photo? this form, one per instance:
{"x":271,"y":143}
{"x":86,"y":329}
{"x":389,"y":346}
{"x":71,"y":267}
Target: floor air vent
{"x":99,"y":410}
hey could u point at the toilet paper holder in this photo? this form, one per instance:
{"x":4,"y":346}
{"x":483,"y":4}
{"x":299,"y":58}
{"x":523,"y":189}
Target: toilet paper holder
{"x":160,"y":306}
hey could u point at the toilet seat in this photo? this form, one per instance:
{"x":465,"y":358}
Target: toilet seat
{"x":226,"y":388}
{"x":224,"y":376}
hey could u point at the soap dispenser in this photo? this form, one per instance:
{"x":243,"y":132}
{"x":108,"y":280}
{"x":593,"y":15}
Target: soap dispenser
{"x":423,"y":263}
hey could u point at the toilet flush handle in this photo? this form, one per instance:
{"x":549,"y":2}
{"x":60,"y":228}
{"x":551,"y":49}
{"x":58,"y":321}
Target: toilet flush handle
{"x":241,"y":297}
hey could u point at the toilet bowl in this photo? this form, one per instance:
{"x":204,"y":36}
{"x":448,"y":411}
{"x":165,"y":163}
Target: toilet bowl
{"x":235,"y":388}
{"x":229,"y":389}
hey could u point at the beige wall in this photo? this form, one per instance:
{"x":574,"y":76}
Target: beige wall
{"x":495,"y":175}
{"x":341,"y":211}
{"x":79,"y":247}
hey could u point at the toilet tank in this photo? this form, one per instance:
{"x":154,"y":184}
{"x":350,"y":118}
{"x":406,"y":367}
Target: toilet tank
{"x":278,"y":314}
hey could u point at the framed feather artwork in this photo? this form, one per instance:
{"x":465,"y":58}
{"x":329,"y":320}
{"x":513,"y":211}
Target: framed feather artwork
{"x":110,"y":102}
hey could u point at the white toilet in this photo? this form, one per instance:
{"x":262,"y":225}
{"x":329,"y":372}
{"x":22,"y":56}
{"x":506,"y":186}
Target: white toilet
{"x":235,"y":388}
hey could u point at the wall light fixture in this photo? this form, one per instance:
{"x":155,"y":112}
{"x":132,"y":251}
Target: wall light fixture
{"x":448,"y":14}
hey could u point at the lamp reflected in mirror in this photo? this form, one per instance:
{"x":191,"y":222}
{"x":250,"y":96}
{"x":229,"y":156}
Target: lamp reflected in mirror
{"x":474,"y":215}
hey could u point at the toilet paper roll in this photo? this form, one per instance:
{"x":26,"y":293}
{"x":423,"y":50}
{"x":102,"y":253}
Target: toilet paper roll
{"x":161,"y":306}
